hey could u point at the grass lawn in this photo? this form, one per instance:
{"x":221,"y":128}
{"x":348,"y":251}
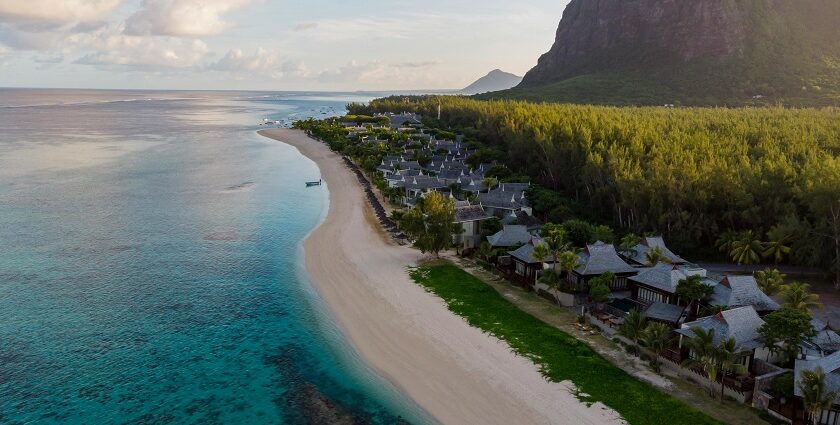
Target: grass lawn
{"x":559,"y":356}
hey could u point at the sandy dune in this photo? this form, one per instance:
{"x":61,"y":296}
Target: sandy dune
{"x":455,"y":372}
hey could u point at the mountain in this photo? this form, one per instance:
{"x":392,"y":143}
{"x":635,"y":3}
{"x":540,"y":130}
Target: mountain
{"x":697,"y":52}
{"x":494,"y":81}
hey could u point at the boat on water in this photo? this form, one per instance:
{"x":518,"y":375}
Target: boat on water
{"x":314,"y":183}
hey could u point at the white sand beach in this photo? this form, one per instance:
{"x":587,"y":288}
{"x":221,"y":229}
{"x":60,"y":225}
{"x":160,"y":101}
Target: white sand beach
{"x":455,"y":372}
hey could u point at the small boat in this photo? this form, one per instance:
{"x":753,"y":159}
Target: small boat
{"x":310,"y":184}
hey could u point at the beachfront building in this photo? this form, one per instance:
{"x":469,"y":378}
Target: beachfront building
{"x":739,"y":291}
{"x":469,"y":216}
{"x":638,"y":254}
{"x":830,"y":365}
{"x":740,"y":323}
{"x":524,"y":267}
{"x":510,"y":236}
{"x":600,"y":258}
{"x":658,"y":284}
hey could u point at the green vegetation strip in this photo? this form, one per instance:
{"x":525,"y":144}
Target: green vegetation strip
{"x":559,"y":356}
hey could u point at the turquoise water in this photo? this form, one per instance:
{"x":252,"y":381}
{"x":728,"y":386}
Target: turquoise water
{"x":150,"y":266}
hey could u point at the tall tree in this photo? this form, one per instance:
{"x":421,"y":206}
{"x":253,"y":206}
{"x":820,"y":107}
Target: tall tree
{"x":726,"y":240}
{"x":703,"y":354}
{"x":694,"y":290}
{"x":728,"y":358}
{"x":567,"y":261}
{"x":633,"y":327}
{"x":628,"y":243}
{"x":656,"y":338}
{"x":485,"y":250}
{"x":823,"y":196}
{"x":777,"y":247}
{"x":815,"y":393}
{"x":771,"y":281}
{"x":784,"y":330}
{"x":747,"y":248}
{"x":798,"y":296}
{"x":432,"y":223}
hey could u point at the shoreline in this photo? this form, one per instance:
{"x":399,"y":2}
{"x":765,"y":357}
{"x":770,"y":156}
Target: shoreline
{"x":453,"y":371}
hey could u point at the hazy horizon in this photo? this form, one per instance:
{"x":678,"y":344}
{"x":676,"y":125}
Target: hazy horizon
{"x":261,"y":45}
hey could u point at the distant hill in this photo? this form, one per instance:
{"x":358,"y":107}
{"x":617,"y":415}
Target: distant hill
{"x":698,"y":52}
{"x":494,"y":81}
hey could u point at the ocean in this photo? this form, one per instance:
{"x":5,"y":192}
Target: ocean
{"x":151,"y":265}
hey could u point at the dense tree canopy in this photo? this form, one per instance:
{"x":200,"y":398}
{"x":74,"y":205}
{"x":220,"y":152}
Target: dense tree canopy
{"x":689,"y":173}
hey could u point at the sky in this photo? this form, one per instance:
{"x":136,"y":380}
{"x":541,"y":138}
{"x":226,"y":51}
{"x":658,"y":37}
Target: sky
{"x":270,"y":44}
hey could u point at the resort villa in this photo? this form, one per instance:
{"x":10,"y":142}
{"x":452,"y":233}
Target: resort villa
{"x":525,"y":267}
{"x":469,"y":216}
{"x":601,"y":258}
{"x":510,"y":236}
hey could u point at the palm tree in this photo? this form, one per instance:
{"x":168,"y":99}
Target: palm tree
{"x":656,"y":338}
{"x":633,"y":328}
{"x":568,"y":261}
{"x":703,"y":354}
{"x":711,"y":310}
{"x":815,"y":395}
{"x":746,"y":249}
{"x":694,"y":290}
{"x":798,"y":296}
{"x":655,"y":256}
{"x":628,"y":243}
{"x":778,"y":245}
{"x":771,"y":281}
{"x":489,"y":183}
{"x":552,"y":279}
{"x":725,"y":241}
{"x":485,"y":250}
{"x":540,"y":253}
{"x":728,"y":355}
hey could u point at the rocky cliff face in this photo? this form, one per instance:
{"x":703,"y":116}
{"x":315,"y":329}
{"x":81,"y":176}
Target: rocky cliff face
{"x":592,"y":29}
{"x":743,"y":46}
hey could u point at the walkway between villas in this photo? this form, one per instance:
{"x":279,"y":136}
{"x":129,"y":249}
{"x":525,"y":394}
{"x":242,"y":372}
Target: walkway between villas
{"x":564,"y":319}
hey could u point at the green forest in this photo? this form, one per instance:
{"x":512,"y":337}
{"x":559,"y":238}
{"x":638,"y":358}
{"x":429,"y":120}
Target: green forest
{"x":696,"y":175}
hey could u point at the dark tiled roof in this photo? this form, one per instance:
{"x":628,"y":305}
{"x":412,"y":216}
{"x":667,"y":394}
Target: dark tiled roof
{"x":740,"y":323}
{"x":639,"y":252}
{"x":510,"y":236}
{"x":738,"y":291}
{"x":600,"y":258}
{"x":524,"y":252}
{"x":498,"y":198}
{"x":521,"y":217}
{"x":826,"y":338}
{"x":665,"y":312}
{"x":470,"y":213}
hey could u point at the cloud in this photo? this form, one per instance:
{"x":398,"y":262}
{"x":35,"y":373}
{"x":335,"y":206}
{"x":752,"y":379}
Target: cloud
{"x":46,"y":62}
{"x":119,"y":51}
{"x":381,"y":74}
{"x":55,"y":11}
{"x":263,"y":63}
{"x":189,"y":18}
{"x":306,"y":26}
{"x":422,"y":64}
